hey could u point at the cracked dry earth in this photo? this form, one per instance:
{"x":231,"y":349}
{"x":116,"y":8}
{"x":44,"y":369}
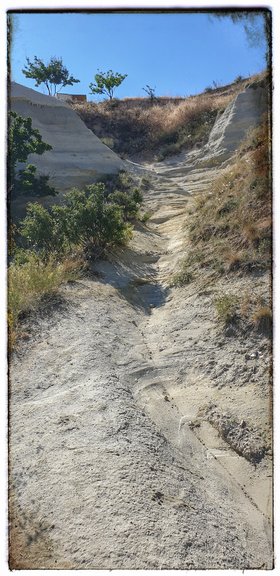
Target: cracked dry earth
{"x":113,"y":463}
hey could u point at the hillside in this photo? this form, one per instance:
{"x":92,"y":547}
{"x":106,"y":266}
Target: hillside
{"x":149,"y":376}
{"x":140,"y":129}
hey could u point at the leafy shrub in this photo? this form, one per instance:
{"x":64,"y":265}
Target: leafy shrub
{"x":86,"y":218}
{"x":38,"y":228}
{"x":106,"y":83}
{"x":24,"y":140}
{"x":120,"y":189}
{"x":53,"y":74}
{"x":145,"y":216}
{"x":129,"y":203}
{"x":122,"y":181}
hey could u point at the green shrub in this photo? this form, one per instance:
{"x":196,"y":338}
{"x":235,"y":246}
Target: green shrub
{"x":23,"y":140}
{"x":128,"y":203}
{"x":145,"y":216}
{"x":37,"y":228}
{"x":86,"y":218}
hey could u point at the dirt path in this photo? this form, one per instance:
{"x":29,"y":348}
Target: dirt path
{"x":110,"y":468}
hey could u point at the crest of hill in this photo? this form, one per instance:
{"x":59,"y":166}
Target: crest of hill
{"x":142,"y":129}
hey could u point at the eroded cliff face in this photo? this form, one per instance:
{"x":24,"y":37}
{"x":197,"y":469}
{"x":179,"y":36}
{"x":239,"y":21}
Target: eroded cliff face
{"x":78,"y":157}
{"x":242,"y":114}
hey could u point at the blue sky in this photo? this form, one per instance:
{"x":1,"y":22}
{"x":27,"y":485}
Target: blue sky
{"x":178,"y":54}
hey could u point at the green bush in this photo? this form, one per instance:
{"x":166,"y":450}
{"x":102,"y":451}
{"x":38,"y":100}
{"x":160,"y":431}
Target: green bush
{"x":106,"y":83}
{"x":145,"y":216}
{"x":129,"y":203}
{"x":87,"y":218}
{"x":145,"y":183}
{"x":38,"y":228}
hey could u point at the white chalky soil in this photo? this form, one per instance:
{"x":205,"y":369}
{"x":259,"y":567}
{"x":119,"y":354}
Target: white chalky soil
{"x":108,"y":466}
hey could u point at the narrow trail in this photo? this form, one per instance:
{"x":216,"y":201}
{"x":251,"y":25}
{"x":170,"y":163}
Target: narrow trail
{"x":108,"y":470}
{"x":112,"y":465}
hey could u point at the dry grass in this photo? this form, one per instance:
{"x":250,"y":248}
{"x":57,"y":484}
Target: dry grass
{"x":28,"y":282}
{"x":230,"y":232}
{"x":262,"y":318}
{"x":230,"y":227}
{"x":244,"y":310}
{"x":137,"y":127}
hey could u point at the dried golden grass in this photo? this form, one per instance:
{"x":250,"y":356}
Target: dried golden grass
{"x":28,"y":282}
{"x":230,"y":227}
{"x":138,"y":126}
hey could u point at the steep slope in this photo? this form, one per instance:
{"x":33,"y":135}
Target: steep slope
{"x":113,"y":461}
{"x":78,"y":156}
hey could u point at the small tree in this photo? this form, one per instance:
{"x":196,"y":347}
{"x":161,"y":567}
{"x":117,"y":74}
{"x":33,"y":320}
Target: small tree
{"x":106,"y":83}
{"x":151,"y":92}
{"x":52,"y":75}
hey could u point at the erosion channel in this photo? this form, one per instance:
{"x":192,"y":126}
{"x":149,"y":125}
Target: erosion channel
{"x":113,"y":464}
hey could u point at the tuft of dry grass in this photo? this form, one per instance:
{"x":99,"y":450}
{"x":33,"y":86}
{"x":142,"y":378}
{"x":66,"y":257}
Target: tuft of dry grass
{"x":244,"y":310}
{"x":262,"y":318}
{"x":28,"y":282}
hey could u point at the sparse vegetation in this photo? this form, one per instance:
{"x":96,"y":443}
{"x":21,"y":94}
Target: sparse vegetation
{"x":229,"y":231}
{"x":30,"y":278}
{"x":262,"y":318}
{"x":145,"y":183}
{"x":182,"y":278}
{"x":52,"y":243}
{"x":145,"y":216}
{"x":136,"y":128}
{"x":230,"y":227}
{"x":151,"y":92}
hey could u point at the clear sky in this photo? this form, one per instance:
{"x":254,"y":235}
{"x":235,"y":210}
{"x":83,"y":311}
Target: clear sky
{"x":177,"y":53}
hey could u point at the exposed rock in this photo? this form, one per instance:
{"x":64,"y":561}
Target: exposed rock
{"x":78,"y":156}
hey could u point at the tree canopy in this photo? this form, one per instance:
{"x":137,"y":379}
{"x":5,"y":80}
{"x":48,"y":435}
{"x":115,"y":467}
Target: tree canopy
{"x":106,"y":82}
{"x":23,"y":140}
{"x":256,"y":23}
{"x":54,"y":75}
